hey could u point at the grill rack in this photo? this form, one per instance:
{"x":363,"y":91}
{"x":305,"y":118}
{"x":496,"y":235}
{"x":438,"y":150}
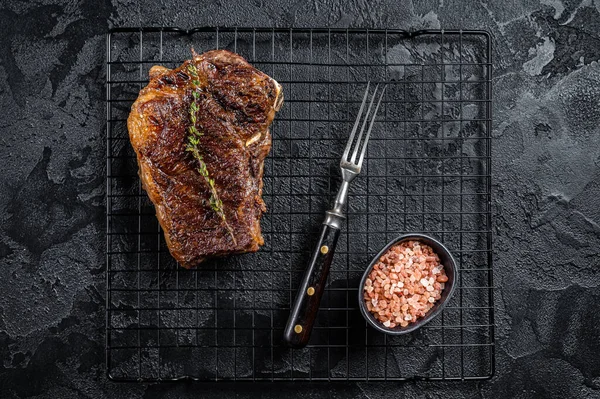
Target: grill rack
{"x":427,"y":169}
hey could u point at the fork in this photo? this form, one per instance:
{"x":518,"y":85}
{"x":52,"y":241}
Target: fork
{"x":306,"y":305}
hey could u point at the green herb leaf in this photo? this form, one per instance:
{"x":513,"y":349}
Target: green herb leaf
{"x":193,"y":147}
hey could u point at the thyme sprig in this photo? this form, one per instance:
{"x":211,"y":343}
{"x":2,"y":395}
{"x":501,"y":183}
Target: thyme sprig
{"x":193,"y":146}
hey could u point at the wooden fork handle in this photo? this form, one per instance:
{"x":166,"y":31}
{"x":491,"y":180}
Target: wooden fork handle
{"x":306,"y":305}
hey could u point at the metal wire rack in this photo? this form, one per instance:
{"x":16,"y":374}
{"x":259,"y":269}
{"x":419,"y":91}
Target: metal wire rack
{"x":427,"y":170}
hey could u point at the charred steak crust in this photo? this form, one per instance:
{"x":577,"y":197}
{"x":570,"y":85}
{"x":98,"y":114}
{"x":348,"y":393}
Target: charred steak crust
{"x":237,"y":104}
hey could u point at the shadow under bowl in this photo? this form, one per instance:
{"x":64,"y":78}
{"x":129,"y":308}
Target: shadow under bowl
{"x":446,"y":260}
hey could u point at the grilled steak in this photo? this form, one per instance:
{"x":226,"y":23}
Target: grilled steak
{"x":235,"y":106}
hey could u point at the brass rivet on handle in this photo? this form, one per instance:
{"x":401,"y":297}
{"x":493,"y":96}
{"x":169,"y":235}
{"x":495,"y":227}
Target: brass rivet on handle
{"x":298,"y":328}
{"x":324,"y":249}
{"x":310,"y":291}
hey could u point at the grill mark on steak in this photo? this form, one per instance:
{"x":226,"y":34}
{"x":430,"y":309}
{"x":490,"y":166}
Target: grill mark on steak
{"x":236,"y":107}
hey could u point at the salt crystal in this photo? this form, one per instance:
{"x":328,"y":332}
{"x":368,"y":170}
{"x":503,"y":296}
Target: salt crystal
{"x":400,"y":284}
{"x":387,"y":323}
{"x":431,"y":299}
{"x":431,"y":280}
{"x":425,"y":282}
{"x":429,"y":288}
{"x":408,"y":317}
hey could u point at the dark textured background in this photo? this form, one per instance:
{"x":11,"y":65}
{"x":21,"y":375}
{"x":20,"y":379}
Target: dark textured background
{"x":546,"y":189}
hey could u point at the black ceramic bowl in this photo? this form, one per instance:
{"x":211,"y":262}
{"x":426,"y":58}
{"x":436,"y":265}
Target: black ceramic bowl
{"x":446,"y":260}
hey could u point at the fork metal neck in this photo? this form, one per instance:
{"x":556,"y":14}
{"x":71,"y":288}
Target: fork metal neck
{"x":335,"y":216}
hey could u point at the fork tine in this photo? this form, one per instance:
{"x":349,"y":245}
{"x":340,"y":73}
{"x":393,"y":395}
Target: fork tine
{"x":362,"y":106}
{"x":362,"y":128}
{"x":362,"y":153}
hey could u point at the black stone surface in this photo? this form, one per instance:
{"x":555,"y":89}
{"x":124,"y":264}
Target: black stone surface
{"x":546,"y":162}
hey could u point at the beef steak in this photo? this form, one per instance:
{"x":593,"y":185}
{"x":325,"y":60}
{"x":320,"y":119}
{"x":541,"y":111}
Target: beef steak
{"x":236,"y":105}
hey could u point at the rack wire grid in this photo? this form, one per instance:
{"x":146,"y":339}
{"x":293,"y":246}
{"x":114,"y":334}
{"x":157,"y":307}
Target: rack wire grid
{"x":427,"y":169}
